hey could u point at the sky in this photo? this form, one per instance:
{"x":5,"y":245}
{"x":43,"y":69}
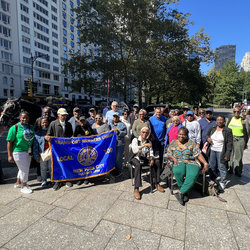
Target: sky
{"x":226,"y":21}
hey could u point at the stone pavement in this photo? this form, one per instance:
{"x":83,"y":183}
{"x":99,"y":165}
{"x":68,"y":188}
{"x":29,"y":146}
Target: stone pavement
{"x":106,"y":216}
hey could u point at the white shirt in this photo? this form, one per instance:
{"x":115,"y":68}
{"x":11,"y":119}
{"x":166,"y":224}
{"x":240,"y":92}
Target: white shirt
{"x":217,"y":141}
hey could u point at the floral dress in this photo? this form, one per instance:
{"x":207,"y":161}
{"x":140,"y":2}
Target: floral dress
{"x":186,"y":155}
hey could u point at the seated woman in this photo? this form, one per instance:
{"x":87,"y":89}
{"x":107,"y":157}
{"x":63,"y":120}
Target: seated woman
{"x":173,"y":129}
{"x":142,"y":149}
{"x":99,"y":126}
{"x":184,"y":152}
{"x":221,"y":141}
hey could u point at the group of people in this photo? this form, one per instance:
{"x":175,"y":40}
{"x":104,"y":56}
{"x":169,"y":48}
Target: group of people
{"x":195,"y":141}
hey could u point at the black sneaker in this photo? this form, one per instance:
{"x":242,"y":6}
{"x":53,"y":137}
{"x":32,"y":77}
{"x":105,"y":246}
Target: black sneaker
{"x":69,"y":184}
{"x":86,"y":182}
{"x":79,"y":183}
{"x":57,"y":186}
{"x":179,"y":198}
{"x":185,"y":197}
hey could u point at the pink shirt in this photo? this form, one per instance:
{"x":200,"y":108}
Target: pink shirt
{"x":172,"y":134}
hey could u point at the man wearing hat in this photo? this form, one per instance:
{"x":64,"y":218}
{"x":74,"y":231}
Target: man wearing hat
{"x":205,"y":123}
{"x":194,"y":129}
{"x":60,"y":128}
{"x":91,"y":119}
{"x":121,"y":131}
{"x":183,"y":116}
{"x":74,"y":120}
{"x":135,"y":114}
{"x":83,"y":129}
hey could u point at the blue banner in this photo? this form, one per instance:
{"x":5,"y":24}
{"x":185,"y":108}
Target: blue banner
{"x":82,"y":157}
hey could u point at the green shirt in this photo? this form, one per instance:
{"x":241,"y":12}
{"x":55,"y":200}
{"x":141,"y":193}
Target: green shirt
{"x":23,"y":138}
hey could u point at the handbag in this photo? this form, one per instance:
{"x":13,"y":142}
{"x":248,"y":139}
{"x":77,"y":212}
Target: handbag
{"x":205,"y":147}
{"x":46,"y":155}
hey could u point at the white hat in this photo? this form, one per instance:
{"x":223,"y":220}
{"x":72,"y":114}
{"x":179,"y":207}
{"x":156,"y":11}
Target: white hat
{"x":62,"y":111}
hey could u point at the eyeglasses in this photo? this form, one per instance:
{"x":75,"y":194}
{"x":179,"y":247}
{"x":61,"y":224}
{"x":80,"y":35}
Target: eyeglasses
{"x":114,"y":105}
{"x":201,"y":113}
{"x":236,"y":111}
{"x":98,"y":118}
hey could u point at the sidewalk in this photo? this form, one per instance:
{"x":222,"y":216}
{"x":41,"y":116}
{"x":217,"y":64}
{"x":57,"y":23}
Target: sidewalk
{"x":108,"y":217}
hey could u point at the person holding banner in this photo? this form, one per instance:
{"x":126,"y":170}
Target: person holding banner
{"x":83,"y":129}
{"x":60,"y":128}
{"x":99,"y":126}
{"x":40,"y":145}
{"x":121,"y":131}
{"x":143,"y":152}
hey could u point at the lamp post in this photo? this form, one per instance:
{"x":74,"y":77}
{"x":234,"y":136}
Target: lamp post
{"x":33,"y":59}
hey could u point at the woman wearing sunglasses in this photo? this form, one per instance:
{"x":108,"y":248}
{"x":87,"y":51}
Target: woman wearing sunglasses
{"x":99,"y":126}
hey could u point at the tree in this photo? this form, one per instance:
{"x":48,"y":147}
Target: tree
{"x":140,"y":44}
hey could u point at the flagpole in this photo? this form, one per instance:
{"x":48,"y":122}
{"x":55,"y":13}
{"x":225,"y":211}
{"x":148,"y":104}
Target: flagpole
{"x":108,"y":94}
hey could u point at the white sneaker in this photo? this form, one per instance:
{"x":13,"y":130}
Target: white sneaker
{"x":17,"y":185}
{"x":222,"y":185}
{"x":26,"y":190}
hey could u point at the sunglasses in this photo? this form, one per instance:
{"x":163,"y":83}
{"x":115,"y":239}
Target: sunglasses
{"x":201,"y":113}
{"x":98,"y":118}
{"x":236,"y":111}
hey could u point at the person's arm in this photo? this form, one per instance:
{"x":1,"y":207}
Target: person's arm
{"x":229,"y":145}
{"x":10,"y":151}
{"x":122,"y":130}
{"x":204,"y":162}
{"x":198,"y":133}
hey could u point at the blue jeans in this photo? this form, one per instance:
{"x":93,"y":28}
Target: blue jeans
{"x":214,"y":161}
{"x":119,"y":156}
{"x":44,"y":166}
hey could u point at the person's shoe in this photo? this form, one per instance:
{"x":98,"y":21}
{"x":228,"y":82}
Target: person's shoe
{"x":230,"y":170}
{"x":44,"y":184}
{"x":57,"y":186}
{"x":221,"y":187}
{"x":159,"y":188}
{"x":69,"y":184}
{"x":185,"y":197}
{"x":137,"y":194}
{"x":86,"y":182}
{"x":79,"y":183}
{"x":39,"y":178}
{"x":180,"y":198}
{"x":26,"y":190}
{"x":17,"y":185}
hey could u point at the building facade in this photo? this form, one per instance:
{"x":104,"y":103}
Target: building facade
{"x":245,"y":63}
{"x":224,"y":54}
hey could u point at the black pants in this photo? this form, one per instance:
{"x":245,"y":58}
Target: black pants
{"x":156,"y":168}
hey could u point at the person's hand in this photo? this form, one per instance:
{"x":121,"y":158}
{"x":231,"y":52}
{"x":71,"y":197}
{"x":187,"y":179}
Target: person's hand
{"x":210,"y":140}
{"x":226,"y":158}
{"x":147,"y":145}
{"x":47,"y":138}
{"x":175,"y":161}
{"x":11,"y":159}
{"x":38,"y":160}
{"x":151,"y":163}
{"x":205,"y":168}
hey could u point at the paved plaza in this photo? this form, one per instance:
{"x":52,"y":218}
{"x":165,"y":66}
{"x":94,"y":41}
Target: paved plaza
{"x":106,"y":216}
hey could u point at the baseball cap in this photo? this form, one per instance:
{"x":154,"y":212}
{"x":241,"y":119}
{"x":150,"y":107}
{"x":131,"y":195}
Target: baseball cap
{"x":136,"y":105}
{"x":76,"y":109}
{"x":82,"y":118}
{"x":190,"y":112}
{"x":209,"y":110}
{"x":91,"y":109}
{"x":62,"y":111}
{"x":116,"y":114}
{"x":186,"y":107}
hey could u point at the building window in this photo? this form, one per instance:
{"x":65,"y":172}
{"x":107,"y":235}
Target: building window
{"x":64,"y":6}
{"x":11,"y":82}
{"x":11,"y":92}
{"x":55,"y":35}
{"x":27,"y":70}
{"x":46,"y":89}
{"x":65,"y":56}
{"x":71,"y":28}
{"x":64,"y":23}
{"x":8,"y":69}
{"x":72,"y":20}
{"x":56,"y":90}
{"x":64,"y":32}
{"x":64,"y":14}
{"x":5,"y":6}
{"x":65,"y":48}
{"x":5,"y":92}
{"x":56,"y":77}
{"x":5,"y":80}
{"x":4,"y":18}
{"x":72,"y":36}
{"x":65,"y":40}
{"x":72,"y":44}
{"x":6,"y":55}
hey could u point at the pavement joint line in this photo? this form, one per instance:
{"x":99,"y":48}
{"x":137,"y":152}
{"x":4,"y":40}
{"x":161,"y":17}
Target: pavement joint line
{"x":241,"y":204}
{"x":235,"y":238}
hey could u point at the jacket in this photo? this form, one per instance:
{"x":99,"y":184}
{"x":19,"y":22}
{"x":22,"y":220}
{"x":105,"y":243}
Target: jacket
{"x":122,"y":131}
{"x":38,"y":145}
{"x":55,"y":129}
{"x":245,"y":128}
{"x":228,"y":142}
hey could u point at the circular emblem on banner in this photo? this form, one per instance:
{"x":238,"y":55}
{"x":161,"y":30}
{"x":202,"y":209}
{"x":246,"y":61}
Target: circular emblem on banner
{"x":87,"y":156}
